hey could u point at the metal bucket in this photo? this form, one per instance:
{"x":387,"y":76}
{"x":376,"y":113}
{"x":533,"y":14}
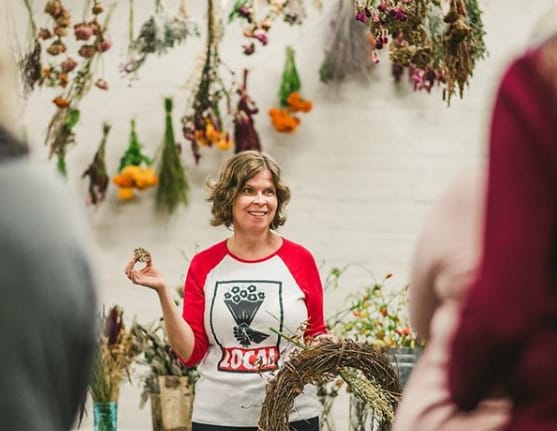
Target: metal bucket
{"x":403,"y":360}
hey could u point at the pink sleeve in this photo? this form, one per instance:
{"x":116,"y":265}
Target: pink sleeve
{"x":193,"y":312}
{"x":518,"y":238}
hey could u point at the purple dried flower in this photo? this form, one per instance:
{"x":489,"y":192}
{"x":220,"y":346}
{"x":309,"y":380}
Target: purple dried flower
{"x":249,"y":48}
{"x":398,"y":13}
{"x":245,"y":135}
{"x":244,"y":11}
{"x":261,"y":36}
{"x":113,"y":325}
{"x":361,"y":16}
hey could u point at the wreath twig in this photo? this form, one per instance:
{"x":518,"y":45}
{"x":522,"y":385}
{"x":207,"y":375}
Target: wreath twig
{"x":366,"y":368}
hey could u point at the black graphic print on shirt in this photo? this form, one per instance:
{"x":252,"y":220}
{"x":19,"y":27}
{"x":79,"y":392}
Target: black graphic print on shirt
{"x":249,"y":345}
{"x":243,"y":303}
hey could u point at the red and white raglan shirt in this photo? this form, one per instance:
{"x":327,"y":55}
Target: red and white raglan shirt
{"x":234,"y":307}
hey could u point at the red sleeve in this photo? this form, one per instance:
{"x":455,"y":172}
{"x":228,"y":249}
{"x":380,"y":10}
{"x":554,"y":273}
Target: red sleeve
{"x":193,"y":312}
{"x":304,"y":270}
{"x":513,"y":288}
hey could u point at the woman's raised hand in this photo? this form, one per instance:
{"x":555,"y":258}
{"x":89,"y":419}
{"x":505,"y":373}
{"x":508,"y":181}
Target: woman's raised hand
{"x":148,"y":276}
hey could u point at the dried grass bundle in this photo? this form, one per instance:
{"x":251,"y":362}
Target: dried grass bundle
{"x":367,"y":372}
{"x":348,"y":51}
{"x":117,"y":348}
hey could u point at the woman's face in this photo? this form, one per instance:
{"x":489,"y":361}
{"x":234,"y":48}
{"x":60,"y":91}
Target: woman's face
{"x":256,"y":204}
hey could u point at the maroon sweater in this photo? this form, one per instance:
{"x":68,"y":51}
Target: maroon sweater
{"x":507,"y":336}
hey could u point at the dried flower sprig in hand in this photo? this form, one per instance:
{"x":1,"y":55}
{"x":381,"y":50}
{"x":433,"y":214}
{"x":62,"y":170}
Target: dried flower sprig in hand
{"x":203,"y":125}
{"x":141,"y":255}
{"x":161,"y":32}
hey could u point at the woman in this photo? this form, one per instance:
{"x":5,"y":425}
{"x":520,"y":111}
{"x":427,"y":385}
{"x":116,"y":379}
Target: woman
{"x":445,"y":260}
{"x":237,"y":293}
{"x":507,"y":334}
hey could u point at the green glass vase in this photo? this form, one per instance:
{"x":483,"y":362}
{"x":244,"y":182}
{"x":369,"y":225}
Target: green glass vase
{"x":105,"y":416}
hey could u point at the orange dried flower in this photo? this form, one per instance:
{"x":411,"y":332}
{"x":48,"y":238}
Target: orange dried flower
{"x":61,"y":102}
{"x":126,"y":193}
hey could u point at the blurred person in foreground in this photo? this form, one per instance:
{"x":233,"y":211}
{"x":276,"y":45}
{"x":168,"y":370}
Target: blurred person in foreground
{"x":48,"y":305}
{"x":507,"y":333}
{"x":445,"y":261}
{"x":235,"y":293}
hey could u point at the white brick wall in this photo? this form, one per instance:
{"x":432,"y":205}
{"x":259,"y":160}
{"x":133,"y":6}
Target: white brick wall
{"x":363,"y":167}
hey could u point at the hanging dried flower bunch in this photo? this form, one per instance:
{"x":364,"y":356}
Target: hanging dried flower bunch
{"x":434,"y":46}
{"x":284,"y":118}
{"x":135,"y":171}
{"x":117,"y":348}
{"x":161,"y":32}
{"x":292,"y":12}
{"x":96,"y":172}
{"x":173,"y":185}
{"x":30,"y":62}
{"x":74,"y":79}
{"x":348,"y":49}
{"x":203,"y":123}
{"x":245,"y":135}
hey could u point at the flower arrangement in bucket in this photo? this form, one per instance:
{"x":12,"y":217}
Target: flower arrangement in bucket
{"x":117,"y":348}
{"x":375,"y":314}
{"x":168,"y":383}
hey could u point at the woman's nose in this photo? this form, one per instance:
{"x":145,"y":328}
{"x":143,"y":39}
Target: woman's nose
{"x":259,"y":198}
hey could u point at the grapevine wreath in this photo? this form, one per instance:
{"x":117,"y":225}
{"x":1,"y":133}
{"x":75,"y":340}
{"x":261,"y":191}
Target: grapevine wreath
{"x":367,"y":371}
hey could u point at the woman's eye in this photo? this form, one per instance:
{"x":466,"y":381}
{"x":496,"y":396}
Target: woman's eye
{"x":270,"y":192}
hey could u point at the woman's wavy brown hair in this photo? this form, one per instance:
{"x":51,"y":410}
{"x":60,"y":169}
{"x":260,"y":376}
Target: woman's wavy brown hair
{"x":232,"y":178}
